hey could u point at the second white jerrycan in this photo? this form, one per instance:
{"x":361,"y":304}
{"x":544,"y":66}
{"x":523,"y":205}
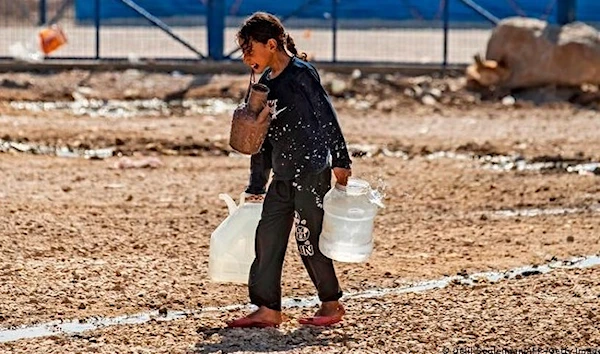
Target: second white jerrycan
{"x":232,"y":242}
{"x":347,"y":234}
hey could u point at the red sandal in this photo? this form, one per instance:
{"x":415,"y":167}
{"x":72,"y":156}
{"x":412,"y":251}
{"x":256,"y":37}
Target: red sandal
{"x":322,"y":320}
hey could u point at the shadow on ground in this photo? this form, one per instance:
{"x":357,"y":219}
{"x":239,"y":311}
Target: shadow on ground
{"x":227,"y":340}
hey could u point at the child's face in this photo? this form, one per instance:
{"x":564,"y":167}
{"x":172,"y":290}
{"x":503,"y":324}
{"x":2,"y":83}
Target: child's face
{"x":258,"y":55}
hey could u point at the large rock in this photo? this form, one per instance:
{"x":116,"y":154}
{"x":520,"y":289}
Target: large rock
{"x":525,"y":52}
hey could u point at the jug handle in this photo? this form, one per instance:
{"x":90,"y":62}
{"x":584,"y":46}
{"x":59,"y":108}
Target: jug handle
{"x":242,"y":199}
{"x":230,"y":203}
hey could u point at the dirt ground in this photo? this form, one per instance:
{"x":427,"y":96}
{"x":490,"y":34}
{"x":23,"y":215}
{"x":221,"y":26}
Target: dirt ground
{"x":81,"y":238}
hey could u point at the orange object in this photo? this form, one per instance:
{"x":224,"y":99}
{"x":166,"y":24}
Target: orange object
{"x":52,"y":38}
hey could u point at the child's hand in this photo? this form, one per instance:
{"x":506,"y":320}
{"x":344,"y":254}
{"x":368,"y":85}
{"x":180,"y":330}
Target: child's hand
{"x":341,"y":175}
{"x":254,"y":198}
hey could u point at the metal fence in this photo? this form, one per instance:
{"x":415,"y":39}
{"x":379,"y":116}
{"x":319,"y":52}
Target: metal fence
{"x":436,"y":38}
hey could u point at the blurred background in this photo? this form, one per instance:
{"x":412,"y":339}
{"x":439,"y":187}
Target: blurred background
{"x":430,"y":32}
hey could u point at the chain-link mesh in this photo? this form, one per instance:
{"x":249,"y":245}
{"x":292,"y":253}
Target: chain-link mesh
{"x":393,"y":31}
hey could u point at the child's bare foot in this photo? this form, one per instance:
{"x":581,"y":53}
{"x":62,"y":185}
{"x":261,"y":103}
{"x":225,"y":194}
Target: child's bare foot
{"x":331,"y":308}
{"x":263,"y":317}
{"x":266,"y":314}
{"x":330,"y":312}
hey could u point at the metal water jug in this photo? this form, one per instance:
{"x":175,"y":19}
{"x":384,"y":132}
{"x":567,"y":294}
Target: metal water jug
{"x":248,"y":132}
{"x":232,"y":242}
{"x":347,"y":234}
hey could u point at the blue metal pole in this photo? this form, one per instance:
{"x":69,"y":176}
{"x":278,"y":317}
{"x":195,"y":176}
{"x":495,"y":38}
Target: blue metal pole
{"x":158,"y":23}
{"x":334,"y":27}
{"x":565,"y":11}
{"x":483,"y":12}
{"x":216,"y":28}
{"x":446,"y":26}
{"x":42,"y":10}
{"x":97,"y":24}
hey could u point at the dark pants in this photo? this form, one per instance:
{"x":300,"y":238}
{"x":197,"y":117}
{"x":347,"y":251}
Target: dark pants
{"x":297,"y":203}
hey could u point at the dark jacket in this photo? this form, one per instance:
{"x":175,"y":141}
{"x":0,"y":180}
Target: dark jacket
{"x":304,"y":130}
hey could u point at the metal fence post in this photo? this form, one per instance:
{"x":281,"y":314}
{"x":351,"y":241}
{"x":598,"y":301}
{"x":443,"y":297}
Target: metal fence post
{"x":565,"y":12}
{"x":446,"y":25}
{"x":480,"y":10}
{"x":334,"y":25}
{"x":160,"y":24}
{"x":216,"y":28}
{"x":42,"y":10}
{"x":97,"y":23}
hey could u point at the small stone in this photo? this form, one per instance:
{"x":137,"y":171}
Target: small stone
{"x":417,"y":91}
{"x":386,"y":105}
{"x":66,"y":188}
{"x":435,"y":92}
{"x":351,"y":345}
{"x":338,"y":87}
{"x":77,"y":96}
{"x":82,"y":306}
{"x":483,"y":217}
{"x":409,"y":93}
{"x":570,"y":239}
{"x":85,"y":90}
{"x":529,"y":273}
{"x":509,"y":101}
{"x":162,"y":311}
{"x":428,"y":100}
{"x":131,"y":93}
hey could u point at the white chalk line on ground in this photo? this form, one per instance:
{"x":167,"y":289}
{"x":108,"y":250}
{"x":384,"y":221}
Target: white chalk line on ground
{"x":511,"y":213}
{"x":75,"y":327}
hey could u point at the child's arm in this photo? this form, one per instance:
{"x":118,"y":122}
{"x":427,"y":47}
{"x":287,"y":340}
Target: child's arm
{"x":260,"y":169}
{"x":327,"y":118}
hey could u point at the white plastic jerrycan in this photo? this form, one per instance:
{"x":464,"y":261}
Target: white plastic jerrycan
{"x":347,"y":234}
{"x":232,"y":242}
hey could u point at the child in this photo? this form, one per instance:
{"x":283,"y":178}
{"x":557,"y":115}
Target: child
{"x":303,"y":136}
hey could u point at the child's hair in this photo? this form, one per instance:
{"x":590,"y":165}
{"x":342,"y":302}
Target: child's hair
{"x":261,"y":27}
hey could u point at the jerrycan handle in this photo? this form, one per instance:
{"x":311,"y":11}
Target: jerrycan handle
{"x":230,"y":203}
